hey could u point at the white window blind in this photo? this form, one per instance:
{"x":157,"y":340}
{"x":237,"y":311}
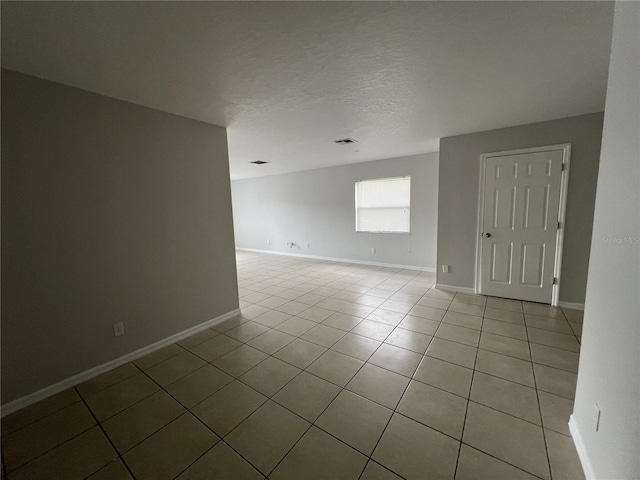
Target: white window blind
{"x":383,"y":205}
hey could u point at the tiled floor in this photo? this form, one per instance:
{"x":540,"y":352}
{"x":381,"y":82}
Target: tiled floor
{"x":333,"y":371}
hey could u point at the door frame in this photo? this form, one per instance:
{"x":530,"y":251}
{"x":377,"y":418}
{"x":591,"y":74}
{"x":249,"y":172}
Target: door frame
{"x":564,"y":184}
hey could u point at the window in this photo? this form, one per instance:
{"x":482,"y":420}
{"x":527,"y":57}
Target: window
{"x":383,"y":205}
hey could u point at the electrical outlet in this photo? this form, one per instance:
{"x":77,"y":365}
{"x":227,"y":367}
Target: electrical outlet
{"x":373,"y":250}
{"x":445,"y":268}
{"x":596,"y":417}
{"x":118,"y":329}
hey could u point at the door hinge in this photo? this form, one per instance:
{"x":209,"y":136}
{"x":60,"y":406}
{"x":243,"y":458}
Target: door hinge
{"x":556,"y":280}
{"x":564,"y":167}
{"x":558,"y":225}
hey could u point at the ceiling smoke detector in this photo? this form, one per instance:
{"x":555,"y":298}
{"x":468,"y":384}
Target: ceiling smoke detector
{"x":345,"y":141}
{"x":259,"y":162}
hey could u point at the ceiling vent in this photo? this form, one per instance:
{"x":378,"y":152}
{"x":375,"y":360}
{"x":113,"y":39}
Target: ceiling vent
{"x":345,"y":141}
{"x":259,"y":162}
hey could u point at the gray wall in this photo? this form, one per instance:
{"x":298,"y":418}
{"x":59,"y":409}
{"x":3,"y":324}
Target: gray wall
{"x":317,"y":207}
{"x":111,"y":212}
{"x":458,"y":198}
{"x":609,"y":373}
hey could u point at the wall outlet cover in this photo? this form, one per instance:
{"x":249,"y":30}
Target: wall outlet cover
{"x":118,"y":329}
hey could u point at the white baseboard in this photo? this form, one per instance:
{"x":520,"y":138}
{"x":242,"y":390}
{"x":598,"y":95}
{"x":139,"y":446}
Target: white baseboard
{"x":341,"y":260}
{"x":105,"y":367}
{"x":455,"y":288}
{"x":573,"y":306}
{"x":582,"y":452}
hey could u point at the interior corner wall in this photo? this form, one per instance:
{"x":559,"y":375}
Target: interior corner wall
{"x":609,"y":371}
{"x":111,"y":212}
{"x":459,"y":189}
{"x":317,"y":208}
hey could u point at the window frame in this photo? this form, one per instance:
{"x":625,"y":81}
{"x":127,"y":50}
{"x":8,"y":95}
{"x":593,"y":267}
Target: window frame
{"x":356,"y":209}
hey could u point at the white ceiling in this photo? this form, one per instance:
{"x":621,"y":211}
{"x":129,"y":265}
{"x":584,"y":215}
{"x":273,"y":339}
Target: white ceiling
{"x":288,"y":78}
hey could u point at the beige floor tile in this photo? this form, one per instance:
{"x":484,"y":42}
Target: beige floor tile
{"x":225,"y":409}
{"x":229,"y":324}
{"x":107,"y":379}
{"x":405,"y":297}
{"x":300,"y":353}
{"x":504,"y":304}
{"x":369,"y":301}
{"x":335,"y":367}
{"x":215,"y":347}
{"x":415,"y":451}
{"x":573,"y":315}
{"x":319,"y":456}
{"x":360,"y":311}
{"x":241,"y":360}
{"x":467,"y":336}
{"x":246,"y":331}
{"x":381,"y":315}
{"x":41,"y":409}
{"x":414,"y":341}
{"x":195,"y":387}
{"x":506,"y":329}
{"x":113,"y":471}
{"x":356,"y":346}
{"x":24,"y":445}
{"x":278,"y":430}
{"x":355,"y":420}
{"x":507,"y":438}
{"x":504,"y":315}
{"x":345,"y":295}
{"x":296,"y":326}
{"x":324,"y":335}
{"x":342,"y":321}
{"x":555,"y":412}
{"x":316,"y":314}
{"x":470,"y":299}
{"x":553,"y":339}
{"x":133,"y":425}
{"x":397,"y":306}
{"x":169,"y":371}
{"x":62,"y":463}
{"x":221,"y":463}
{"x":555,"y":357}
{"x":294,"y":307}
{"x":545,"y":323}
{"x":505,"y":396}
{"x":509,"y":368}
{"x":473,"y":463}
{"x":374,"y":330}
{"x":270,"y":376}
{"x":434,"y":302}
{"x":170,"y":450}
{"x":445,"y":375}
{"x":253,"y":311}
{"x":198,"y":338}
{"x":453,"y":352}
{"x":505,"y":345}
{"x":429,"y":313}
{"x":396,"y":359}
{"x":117,"y":397}
{"x":434,"y":292}
{"x":543,"y":310}
{"x":577,"y":328}
{"x":463,"y":320}
{"x":555,"y":381}
{"x":158,"y":356}
{"x":272,"y":318}
{"x":380,"y":385}
{"x":272,"y":341}
{"x":375,"y":471}
{"x":255,"y":297}
{"x":291,"y":294}
{"x":307,"y":395}
{"x":420,"y":325}
{"x":461,"y":307}
{"x":563,"y":456}
{"x":434,"y":407}
{"x":272,"y":302}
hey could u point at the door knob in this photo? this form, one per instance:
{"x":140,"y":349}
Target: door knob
{"x":487,"y":235}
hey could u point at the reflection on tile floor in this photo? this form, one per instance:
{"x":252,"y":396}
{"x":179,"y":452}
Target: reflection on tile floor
{"x":333,"y":370}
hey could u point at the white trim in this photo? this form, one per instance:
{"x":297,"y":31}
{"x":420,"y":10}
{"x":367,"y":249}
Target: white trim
{"x":573,"y":306}
{"x":455,"y":288}
{"x":582,"y":452}
{"x":341,"y":260}
{"x":562,"y":205}
{"x":105,"y":367}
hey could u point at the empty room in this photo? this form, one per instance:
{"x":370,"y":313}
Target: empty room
{"x":320,"y":240}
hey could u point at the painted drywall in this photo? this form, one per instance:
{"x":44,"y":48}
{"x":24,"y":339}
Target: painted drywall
{"x":459,"y":185}
{"x":609,"y":372}
{"x":317,"y":207}
{"x":111,"y":212}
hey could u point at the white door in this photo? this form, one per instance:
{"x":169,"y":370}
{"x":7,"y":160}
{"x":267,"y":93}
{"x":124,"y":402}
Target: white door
{"x":520,"y":224}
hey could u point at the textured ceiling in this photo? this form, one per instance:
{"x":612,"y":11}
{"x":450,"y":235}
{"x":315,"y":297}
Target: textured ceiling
{"x":288,"y":78}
